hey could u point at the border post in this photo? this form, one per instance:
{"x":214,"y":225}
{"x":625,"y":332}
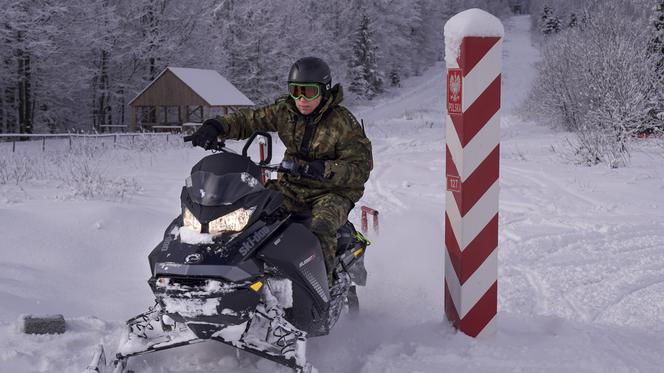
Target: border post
{"x":473,"y":55}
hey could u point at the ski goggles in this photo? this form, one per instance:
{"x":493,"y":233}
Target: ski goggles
{"x":310,"y":91}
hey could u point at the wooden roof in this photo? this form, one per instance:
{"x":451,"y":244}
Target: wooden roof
{"x":194,"y":87}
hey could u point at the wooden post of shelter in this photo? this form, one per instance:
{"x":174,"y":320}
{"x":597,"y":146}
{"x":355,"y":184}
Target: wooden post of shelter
{"x":133,"y":118}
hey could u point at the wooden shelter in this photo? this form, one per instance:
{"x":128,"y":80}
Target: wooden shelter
{"x":179,"y":97}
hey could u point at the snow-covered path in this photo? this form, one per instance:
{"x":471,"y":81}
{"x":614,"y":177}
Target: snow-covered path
{"x":581,"y":279}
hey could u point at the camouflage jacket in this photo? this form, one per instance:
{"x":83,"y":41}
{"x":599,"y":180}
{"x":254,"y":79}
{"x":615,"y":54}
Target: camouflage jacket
{"x":334,"y":135}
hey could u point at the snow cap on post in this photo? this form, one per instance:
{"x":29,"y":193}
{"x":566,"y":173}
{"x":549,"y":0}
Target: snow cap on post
{"x":471,"y":22}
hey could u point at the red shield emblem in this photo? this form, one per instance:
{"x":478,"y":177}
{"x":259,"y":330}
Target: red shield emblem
{"x":454,"y":91}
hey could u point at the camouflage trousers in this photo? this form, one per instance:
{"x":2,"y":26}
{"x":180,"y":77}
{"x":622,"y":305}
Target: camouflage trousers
{"x":328,"y":213}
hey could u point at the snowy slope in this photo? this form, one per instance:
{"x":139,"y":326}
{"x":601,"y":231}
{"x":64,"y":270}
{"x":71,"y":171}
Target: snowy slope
{"x":581,"y":284}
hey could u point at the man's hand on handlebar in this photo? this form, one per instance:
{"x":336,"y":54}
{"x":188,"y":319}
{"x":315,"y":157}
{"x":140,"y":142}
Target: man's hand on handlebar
{"x":207,"y":137}
{"x":310,"y":169}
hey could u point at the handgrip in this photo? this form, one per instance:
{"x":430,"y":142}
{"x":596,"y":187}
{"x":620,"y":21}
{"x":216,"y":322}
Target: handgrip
{"x":251,"y":139}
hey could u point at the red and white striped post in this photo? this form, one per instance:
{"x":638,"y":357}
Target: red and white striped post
{"x":473,"y":52}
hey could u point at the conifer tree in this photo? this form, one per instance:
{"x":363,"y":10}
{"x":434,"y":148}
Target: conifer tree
{"x":365,"y":78}
{"x":395,"y":77}
{"x":549,"y":23}
{"x":656,"y":47}
{"x":573,"y":22}
{"x":656,"y":51}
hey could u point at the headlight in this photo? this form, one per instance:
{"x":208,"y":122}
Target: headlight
{"x":190,"y":220}
{"x":162,"y":282}
{"x":233,"y":222}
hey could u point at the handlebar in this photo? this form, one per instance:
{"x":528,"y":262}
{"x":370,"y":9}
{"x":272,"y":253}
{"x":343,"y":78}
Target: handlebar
{"x":221,"y":146}
{"x":214,"y":146}
{"x":251,"y":139}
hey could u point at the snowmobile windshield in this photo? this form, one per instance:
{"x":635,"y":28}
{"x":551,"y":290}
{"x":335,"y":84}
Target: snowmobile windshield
{"x":208,"y":189}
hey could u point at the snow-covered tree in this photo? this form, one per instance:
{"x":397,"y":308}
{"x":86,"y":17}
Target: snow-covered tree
{"x":329,"y":28}
{"x":75,"y":64}
{"x":656,"y":52}
{"x":573,"y":22}
{"x":549,"y":22}
{"x":400,"y":37}
{"x":395,"y":78}
{"x":250,"y":54}
{"x":656,"y":47}
{"x":103,"y":39}
{"x":602,"y":97}
{"x":29,"y":56}
{"x":366,"y":80}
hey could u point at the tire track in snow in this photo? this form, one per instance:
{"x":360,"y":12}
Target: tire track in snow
{"x":537,"y":188}
{"x":626,"y":294}
{"x":595,"y":274}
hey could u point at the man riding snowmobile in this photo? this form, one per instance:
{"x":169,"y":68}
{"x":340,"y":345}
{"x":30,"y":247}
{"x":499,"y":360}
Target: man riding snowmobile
{"x":240,"y":265}
{"x":327,"y":151}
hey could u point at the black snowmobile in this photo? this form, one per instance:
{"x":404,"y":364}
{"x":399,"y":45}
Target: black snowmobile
{"x":237,"y":268}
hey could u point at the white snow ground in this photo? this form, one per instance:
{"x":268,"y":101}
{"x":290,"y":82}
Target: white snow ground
{"x":581,"y":279}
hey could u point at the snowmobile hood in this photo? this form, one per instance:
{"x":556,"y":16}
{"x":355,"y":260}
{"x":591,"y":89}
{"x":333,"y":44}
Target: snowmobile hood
{"x":222,"y":179}
{"x":226,"y":163}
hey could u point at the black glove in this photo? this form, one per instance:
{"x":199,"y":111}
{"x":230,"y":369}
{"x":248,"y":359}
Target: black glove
{"x":310,"y":169}
{"x":314,"y":169}
{"x":208,"y":134}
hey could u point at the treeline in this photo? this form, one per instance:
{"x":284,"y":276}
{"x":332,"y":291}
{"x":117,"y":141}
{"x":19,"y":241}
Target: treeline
{"x":601,"y":73}
{"x":75,"y":64}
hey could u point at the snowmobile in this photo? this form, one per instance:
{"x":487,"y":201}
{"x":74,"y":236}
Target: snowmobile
{"x":236,"y":267}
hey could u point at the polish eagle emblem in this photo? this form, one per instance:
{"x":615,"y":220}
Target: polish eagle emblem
{"x":455,"y":87}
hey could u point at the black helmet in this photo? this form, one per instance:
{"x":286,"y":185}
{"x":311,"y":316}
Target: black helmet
{"x":311,"y":70}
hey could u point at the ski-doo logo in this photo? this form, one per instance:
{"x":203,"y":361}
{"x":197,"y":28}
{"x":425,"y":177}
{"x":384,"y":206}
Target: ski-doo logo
{"x":168,"y":265}
{"x":193,"y":258}
{"x":307,"y":261}
{"x":251,"y":242}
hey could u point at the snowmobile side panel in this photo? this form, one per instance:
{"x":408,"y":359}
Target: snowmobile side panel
{"x":231,"y":273}
{"x":297,"y":252}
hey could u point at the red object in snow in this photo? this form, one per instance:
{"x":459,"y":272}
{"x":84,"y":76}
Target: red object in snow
{"x":365,"y":226}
